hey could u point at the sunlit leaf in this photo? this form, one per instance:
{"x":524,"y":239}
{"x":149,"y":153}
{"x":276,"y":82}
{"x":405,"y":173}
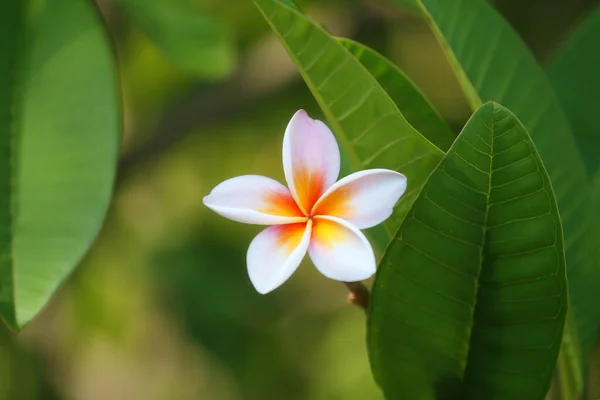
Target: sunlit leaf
{"x":59,"y":124}
{"x":364,"y":118}
{"x":408,"y":98}
{"x":470,"y":299}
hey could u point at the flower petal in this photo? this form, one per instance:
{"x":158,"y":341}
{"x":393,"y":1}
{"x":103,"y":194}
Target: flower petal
{"x":340,"y":251}
{"x":276,"y":253}
{"x":365,"y":198}
{"x":254,"y":199}
{"x":311,"y":159}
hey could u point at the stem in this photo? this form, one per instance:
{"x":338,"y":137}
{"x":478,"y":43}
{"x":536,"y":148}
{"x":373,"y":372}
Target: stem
{"x":359,"y":294}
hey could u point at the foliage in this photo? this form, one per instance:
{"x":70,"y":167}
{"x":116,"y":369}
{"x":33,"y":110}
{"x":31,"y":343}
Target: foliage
{"x":471,"y":296}
{"x":488,"y":78}
{"x":572,"y":71}
{"x":502,"y":69}
{"x":60,"y":130}
{"x":366,"y":121}
{"x":408,"y":98}
{"x":489,"y":283}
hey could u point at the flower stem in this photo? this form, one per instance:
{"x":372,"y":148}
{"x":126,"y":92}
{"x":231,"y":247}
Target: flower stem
{"x":359,"y":294}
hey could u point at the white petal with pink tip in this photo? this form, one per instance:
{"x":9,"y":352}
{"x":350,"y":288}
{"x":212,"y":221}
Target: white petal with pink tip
{"x":340,"y":251}
{"x":254,"y":199}
{"x":311,"y":159}
{"x":365,"y":198}
{"x":276,"y":253}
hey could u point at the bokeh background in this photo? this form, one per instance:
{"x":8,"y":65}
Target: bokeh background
{"x":162,"y":308}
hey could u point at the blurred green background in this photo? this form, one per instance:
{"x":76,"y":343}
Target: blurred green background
{"x":162,"y":307}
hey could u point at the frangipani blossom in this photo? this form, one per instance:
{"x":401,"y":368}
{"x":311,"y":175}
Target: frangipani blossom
{"x":316,"y":214}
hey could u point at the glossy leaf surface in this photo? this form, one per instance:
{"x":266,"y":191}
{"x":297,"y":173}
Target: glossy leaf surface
{"x":492,"y":63}
{"x":413,"y":104}
{"x":470,"y":299}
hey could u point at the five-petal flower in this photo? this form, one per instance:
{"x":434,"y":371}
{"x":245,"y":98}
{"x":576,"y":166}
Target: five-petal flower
{"x":316,"y":215}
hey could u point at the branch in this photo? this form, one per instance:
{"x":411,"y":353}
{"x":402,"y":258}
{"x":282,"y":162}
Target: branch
{"x":359,"y":295}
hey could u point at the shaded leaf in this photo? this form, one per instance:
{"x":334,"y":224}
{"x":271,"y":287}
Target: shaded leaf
{"x":413,"y":104}
{"x":59,"y":149}
{"x":573,"y":72}
{"x":470,"y":299}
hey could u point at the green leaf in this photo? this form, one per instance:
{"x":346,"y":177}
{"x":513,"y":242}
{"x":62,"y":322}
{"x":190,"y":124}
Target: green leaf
{"x":59,"y":126}
{"x":408,"y":98}
{"x":493,"y":63}
{"x":573,"y":72}
{"x":365,"y":120}
{"x":470,"y":299}
{"x":197,"y":43}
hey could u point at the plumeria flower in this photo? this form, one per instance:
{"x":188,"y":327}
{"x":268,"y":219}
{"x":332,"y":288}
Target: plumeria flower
{"x":316,"y":215}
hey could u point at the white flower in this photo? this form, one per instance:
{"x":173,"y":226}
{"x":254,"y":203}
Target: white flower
{"x":317,"y":214}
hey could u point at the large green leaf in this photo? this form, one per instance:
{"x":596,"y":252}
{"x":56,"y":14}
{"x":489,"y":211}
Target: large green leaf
{"x":196,"y":42}
{"x":493,"y":63}
{"x":365,"y":120}
{"x":470,"y":299}
{"x":59,"y":127}
{"x":573,"y":72}
{"x":408,"y":98}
